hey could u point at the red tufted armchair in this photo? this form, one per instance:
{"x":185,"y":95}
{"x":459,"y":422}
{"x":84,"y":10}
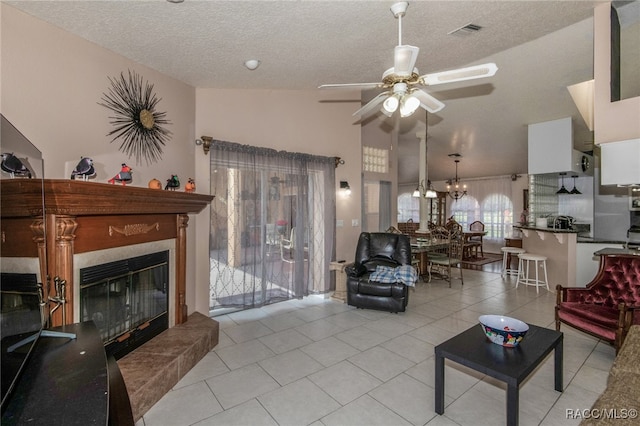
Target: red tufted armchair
{"x":609,"y":304}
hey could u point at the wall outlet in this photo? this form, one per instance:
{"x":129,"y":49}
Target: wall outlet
{"x":339,"y":223}
{"x":355,"y":222}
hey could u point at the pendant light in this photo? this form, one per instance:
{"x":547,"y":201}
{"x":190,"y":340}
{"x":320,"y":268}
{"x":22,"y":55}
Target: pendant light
{"x":575,"y":190}
{"x":562,"y":189}
{"x":453,"y":185}
{"x":427,"y":190}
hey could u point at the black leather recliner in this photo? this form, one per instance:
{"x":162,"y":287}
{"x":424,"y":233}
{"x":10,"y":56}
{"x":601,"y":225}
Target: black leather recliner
{"x":378,"y":248}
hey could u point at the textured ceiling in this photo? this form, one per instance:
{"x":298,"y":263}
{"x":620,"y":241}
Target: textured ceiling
{"x":540,"y":47}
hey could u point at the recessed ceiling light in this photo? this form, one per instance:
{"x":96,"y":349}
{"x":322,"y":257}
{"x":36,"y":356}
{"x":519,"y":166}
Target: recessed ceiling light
{"x":252,"y":64}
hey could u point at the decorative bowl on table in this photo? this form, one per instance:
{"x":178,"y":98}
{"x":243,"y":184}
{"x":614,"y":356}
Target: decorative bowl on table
{"x":504,"y":331}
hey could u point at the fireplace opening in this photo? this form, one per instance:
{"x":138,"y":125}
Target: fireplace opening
{"x":127,"y":300}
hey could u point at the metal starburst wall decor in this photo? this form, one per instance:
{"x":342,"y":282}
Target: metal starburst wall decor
{"x":136,"y":120}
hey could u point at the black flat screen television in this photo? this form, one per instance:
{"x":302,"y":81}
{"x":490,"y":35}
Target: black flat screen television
{"x":20,"y":311}
{"x":20,"y":326}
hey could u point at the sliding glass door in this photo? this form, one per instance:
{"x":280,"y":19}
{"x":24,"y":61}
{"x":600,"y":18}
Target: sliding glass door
{"x":272,"y":228}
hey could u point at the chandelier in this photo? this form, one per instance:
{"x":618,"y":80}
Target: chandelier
{"x":453,"y":186}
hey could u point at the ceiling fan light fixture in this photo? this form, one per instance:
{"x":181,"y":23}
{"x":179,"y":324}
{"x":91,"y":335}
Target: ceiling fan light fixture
{"x":390,"y":104}
{"x":408,"y":105}
{"x":385,"y":112}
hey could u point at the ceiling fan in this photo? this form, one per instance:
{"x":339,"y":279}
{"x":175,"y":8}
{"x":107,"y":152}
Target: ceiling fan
{"x":403,"y":79}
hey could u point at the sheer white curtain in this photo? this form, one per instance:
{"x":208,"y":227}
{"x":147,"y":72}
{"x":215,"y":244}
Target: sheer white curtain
{"x":489,"y":201}
{"x":272,"y":225}
{"x":385,"y":205}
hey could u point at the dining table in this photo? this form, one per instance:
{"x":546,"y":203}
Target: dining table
{"x":420,"y":250}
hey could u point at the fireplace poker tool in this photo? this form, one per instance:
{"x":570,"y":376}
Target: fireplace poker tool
{"x":42,"y":303}
{"x":59,"y":298}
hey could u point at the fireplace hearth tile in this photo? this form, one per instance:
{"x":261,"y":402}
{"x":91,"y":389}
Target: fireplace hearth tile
{"x":146,"y":377}
{"x":151,"y":370}
{"x":173,"y":342}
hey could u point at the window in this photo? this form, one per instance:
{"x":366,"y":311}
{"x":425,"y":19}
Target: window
{"x":408,"y":208}
{"x":465,"y":211}
{"x":489,"y":201}
{"x":497,"y":216}
{"x":375,"y":159}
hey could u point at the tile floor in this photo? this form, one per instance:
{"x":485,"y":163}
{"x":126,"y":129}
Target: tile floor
{"x":322,"y":363}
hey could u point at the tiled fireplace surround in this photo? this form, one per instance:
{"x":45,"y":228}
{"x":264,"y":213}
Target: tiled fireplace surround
{"x":91,"y":222}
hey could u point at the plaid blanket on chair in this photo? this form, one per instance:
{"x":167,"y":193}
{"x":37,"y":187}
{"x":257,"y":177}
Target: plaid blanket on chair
{"x":405,"y":274}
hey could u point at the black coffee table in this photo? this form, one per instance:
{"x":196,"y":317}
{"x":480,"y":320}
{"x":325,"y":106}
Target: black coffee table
{"x":472,"y":349}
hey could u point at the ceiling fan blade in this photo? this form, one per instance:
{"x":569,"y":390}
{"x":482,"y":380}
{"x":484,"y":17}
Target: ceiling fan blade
{"x":460,"y":74}
{"x":351,"y":86}
{"x":404,"y":59}
{"x":427,"y":101}
{"x":370,"y":106}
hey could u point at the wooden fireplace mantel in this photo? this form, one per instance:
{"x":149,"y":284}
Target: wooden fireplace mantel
{"x":23,"y":197}
{"x":87,"y":216}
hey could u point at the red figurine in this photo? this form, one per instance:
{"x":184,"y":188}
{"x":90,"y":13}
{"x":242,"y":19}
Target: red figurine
{"x":124,"y":176}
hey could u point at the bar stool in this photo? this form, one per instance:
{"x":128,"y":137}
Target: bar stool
{"x":507,"y":252}
{"x":538,"y":261}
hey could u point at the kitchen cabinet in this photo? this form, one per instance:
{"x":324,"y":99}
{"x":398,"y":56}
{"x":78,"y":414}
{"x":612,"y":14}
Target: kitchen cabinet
{"x":550,"y":149}
{"x":620,"y":162}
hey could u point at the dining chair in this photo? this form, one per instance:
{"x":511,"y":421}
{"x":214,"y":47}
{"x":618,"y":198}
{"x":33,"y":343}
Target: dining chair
{"x":289,"y":245}
{"x":453,"y":258}
{"x":438,"y":247}
{"x":475,"y":241}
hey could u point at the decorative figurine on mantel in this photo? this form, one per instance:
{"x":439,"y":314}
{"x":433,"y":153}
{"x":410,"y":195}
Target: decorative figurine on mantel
{"x":155,"y":184}
{"x":84,"y":169}
{"x":124,"y":176}
{"x":190,"y":186}
{"x":12,"y":165}
{"x":172,"y":183}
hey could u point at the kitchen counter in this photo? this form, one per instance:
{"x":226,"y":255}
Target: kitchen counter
{"x":547,"y":229}
{"x":589,"y":240}
{"x":615,"y":251}
{"x":559,"y":245}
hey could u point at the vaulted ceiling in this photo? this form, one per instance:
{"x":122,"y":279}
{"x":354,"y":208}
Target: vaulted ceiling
{"x":540,"y":48}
